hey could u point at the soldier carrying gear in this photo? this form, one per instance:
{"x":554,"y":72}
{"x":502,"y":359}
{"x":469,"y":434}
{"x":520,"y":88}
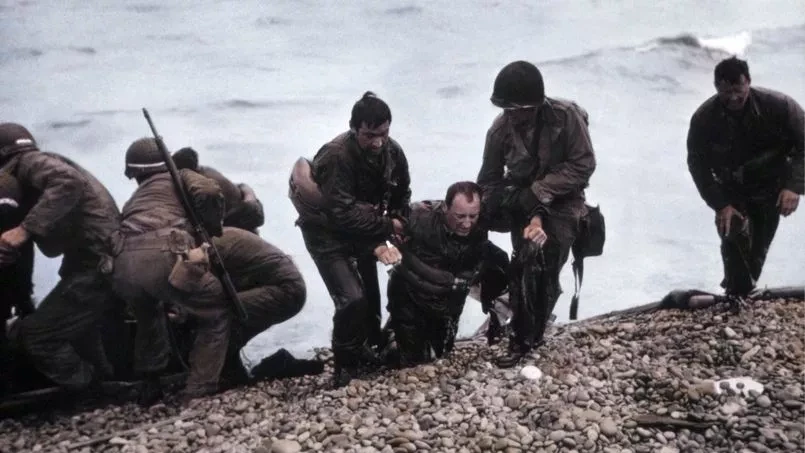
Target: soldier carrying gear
{"x":71,"y":214}
{"x":154,"y":231}
{"x":745,"y":154}
{"x":537,"y":161}
{"x":365,"y":189}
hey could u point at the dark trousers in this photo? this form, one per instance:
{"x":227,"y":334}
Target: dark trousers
{"x":744,"y":252}
{"x":534,"y":286}
{"x":423,"y":326}
{"x":62,"y":337}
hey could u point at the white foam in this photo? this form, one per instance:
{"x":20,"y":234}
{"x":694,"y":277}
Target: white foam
{"x":731,"y":44}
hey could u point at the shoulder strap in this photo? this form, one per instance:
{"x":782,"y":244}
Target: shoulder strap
{"x":578,"y":277}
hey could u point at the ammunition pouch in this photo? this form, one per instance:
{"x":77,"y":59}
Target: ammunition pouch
{"x":190,"y":269}
{"x":592,"y":234}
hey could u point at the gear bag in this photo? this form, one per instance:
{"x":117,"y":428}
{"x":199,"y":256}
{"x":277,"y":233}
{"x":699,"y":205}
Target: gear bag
{"x":589,"y":242}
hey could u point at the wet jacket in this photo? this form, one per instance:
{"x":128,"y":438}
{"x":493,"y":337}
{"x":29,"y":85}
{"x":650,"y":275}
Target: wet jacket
{"x":246,"y":214}
{"x":720,"y":145}
{"x":73,"y":213}
{"x":16,"y":279}
{"x":555,"y":158}
{"x":436,"y":261}
{"x":155,"y":205}
{"x":357,"y":190}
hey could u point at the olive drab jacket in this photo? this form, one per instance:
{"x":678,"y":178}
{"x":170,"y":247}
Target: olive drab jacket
{"x":72,"y":212}
{"x":360,"y":193}
{"x":720,"y":145}
{"x":155,"y":206}
{"x":555,"y":158}
{"x":246,"y":214}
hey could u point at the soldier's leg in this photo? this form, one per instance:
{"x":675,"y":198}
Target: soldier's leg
{"x":736,"y":255}
{"x":272,"y":304}
{"x":340,"y":275}
{"x":140,"y":276}
{"x":367,"y":268}
{"x":409,"y":324}
{"x":765,"y":219}
{"x":213,"y":319}
{"x":69,"y":312}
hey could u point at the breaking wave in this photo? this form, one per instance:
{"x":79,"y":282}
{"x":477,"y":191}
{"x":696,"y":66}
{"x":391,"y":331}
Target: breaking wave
{"x":736,"y":44}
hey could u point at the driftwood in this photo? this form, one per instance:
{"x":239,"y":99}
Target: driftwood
{"x":654,"y":420}
{"x":137,"y":430}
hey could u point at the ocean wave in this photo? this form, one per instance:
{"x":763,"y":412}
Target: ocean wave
{"x":242,"y":104}
{"x":735,"y":44}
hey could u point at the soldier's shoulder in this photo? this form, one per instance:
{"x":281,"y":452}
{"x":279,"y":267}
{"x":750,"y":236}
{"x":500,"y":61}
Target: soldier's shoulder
{"x":498,"y":126}
{"x":334,"y":149}
{"x":423,"y":210}
{"x":772,"y":98}
{"x":564,"y":109}
{"x":706,"y":108}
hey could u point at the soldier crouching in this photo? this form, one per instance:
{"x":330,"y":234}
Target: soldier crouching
{"x":156,"y":252}
{"x":444,"y":249}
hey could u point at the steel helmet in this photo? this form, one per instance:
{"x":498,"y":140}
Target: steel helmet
{"x":518,"y":84}
{"x":144,"y":158}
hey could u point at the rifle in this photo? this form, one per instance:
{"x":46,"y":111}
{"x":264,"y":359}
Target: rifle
{"x":215,"y":257}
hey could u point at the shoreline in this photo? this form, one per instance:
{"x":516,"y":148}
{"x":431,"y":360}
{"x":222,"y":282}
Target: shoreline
{"x":638,"y":382}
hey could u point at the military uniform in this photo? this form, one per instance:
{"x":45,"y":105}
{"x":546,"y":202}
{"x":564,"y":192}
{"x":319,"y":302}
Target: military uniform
{"x":73,"y":215}
{"x":361,"y":191}
{"x":745,"y":161}
{"x":553,"y":158}
{"x":268,"y":282}
{"x":154,"y":233}
{"x":427,"y":290}
{"x":16,"y":279}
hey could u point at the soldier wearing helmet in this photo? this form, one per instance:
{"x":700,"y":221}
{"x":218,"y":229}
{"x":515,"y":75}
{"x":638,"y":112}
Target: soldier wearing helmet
{"x":537,"y":161}
{"x":68,"y":213}
{"x":159,"y":261}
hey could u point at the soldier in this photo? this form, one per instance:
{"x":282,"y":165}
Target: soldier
{"x":359,"y":184}
{"x":16,"y":279}
{"x":745,"y":154}
{"x":243,"y":209}
{"x":537,"y":161}
{"x":156,"y":264}
{"x":269,"y":285}
{"x":71,"y":214}
{"x":443,"y":252}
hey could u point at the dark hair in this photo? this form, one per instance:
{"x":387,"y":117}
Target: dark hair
{"x":731,"y":70}
{"x":371,"y":110}
{"x":467,"y":188}
{"x":186,"y":158}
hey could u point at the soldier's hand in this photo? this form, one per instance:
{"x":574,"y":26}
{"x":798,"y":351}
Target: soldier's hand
{"x":8,"y":255}
{"x":15,"y":237}
{"x":398,"y":226}
{"x":388,"y":255}
{"x":534,"y":231}
{"x":724,"y":219}
{"x":787,"y":202}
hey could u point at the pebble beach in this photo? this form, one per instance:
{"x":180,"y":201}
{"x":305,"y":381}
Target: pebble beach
{"x":639,"y":382}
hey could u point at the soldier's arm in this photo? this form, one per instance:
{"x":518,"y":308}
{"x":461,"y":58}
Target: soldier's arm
{"x":796,"y":128}
{"x":347,"y":214}
{"x":61,"y":187}
{"x":400,"y":201}
{"x":710,"y":190}
{"x":207,"y":199}
{"x":490,"y":177}
{"x":573,"y":174}
{"x":248,"y":213}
